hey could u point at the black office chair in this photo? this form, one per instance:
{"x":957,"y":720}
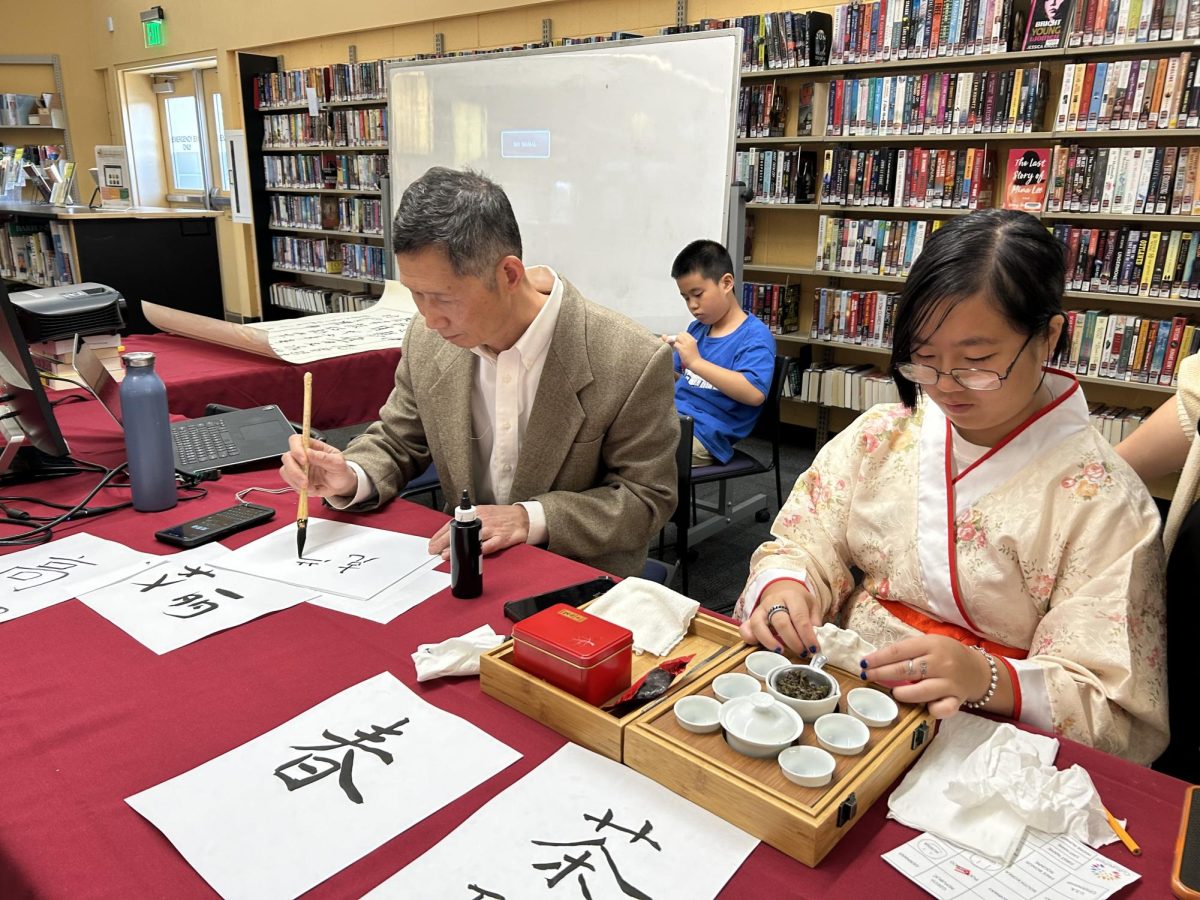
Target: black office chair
{"x":425,"y":483}
{"x":741,"y":465}
{"x":1182,"y":756}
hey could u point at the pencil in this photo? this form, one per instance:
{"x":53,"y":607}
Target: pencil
{"x":302,"y":505}
{"x":1120,"y":832}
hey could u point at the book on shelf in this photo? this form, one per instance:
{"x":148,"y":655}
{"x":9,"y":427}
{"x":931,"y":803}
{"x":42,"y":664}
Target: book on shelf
{"x":778,"y":176}
{"x":916,"y":177}
{"x":777,"y":305}
{"x":853,"y":317}
{"x":1132,"y":260}
{"x":1127,"y":347}
{"x":1130,"y":95}
{"x":1006,"y":101}
{"x":870,"y":246}
{"x":1026,"y":179}
{"x":1046,"y":28}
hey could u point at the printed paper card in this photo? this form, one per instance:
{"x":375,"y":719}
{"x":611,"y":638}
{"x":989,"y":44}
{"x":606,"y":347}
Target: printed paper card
{"x":186,"y":597}
{"x":339,"y":558}
{"x":51,"y":573}
{"x":586,"y":824}
{"x":282,"y":813}
{"x":1045,"y":865}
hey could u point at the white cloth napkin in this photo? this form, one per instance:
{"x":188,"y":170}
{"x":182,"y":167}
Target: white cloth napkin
{"x":658,"y":616}
{"x":982,"y":783}
{"x":455,"y":656}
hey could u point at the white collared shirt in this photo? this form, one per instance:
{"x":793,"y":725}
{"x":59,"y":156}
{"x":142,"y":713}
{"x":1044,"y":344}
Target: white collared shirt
{"x":502,"y":393}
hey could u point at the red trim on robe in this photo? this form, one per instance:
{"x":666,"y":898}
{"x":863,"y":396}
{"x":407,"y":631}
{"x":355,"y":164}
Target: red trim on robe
{"x":951,"y":527}
{"x":1012,"y":435}
{"x":928,"y":625}
{"x":1013,"y":679}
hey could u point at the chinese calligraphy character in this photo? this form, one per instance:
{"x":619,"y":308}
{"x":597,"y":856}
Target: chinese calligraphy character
{"x":309,"y":561}
{"x":54,"y":568}
{"x":481,"y":894}
{"x":356,"y":560}
{"x":346,"y":766}
{"x":188,"y":572}
{"x":569,"y":863}
{"x":191,"y":601}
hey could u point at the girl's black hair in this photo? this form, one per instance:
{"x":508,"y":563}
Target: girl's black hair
{"x":1005,"y":255}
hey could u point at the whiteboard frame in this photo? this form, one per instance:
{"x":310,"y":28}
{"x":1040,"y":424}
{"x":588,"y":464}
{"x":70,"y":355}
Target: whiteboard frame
{"x":727,"y":224}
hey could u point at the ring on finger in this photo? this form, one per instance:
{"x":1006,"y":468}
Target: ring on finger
{"x":924,"y":668}
{"x":779,"y":607}
{"x":908,"y":668}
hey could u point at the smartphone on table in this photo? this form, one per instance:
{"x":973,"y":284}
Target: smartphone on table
{"x":572,"y":595}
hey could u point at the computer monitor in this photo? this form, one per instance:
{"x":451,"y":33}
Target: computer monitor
{"x":34,"y":446}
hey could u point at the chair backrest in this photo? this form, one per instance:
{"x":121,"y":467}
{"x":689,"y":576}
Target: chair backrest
{"x":683,"y":467}
{"x":1182,"y":756}
{"x":770,"y":416}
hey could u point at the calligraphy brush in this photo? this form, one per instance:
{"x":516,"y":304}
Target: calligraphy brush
{"x":302,"y":505}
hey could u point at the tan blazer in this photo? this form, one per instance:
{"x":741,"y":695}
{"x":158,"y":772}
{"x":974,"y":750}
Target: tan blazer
{"x":599,"y":450}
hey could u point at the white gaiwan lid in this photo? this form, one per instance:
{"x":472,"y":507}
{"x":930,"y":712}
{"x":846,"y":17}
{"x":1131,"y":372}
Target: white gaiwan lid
{"x":761,"y":719}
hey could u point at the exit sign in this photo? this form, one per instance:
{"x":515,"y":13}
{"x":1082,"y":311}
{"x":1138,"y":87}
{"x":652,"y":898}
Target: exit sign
{"x":153,"y":33}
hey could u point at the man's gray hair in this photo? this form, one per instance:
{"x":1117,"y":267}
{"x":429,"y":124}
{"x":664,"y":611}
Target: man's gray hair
{"x":463,"y":211}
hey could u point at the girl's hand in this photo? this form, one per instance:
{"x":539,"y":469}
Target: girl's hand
{"x":787,"y":609}
{"x":931,"y":669}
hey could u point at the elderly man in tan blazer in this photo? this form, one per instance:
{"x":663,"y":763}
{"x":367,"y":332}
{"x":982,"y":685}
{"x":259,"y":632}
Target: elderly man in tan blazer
{"x":556,"y":414}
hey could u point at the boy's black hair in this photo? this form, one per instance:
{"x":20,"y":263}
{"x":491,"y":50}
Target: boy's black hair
{"x":1002,"y":254}
{"x":705,"y":258}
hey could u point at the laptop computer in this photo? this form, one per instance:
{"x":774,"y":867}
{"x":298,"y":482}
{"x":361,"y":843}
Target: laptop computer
{"x":219,"y":441}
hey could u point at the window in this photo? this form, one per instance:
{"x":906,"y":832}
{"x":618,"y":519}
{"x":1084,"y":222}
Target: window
{"x":183,"y":133}
{"x":222,"y":147}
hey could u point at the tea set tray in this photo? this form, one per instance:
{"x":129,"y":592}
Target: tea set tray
{"x":803,"y":822}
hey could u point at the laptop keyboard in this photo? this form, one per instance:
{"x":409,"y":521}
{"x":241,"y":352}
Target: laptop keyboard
{"x":203,"y":440}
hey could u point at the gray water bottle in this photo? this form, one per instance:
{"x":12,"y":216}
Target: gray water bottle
{"x":147,"y":435}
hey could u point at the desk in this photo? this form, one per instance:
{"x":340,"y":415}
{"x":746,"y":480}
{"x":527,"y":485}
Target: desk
{"x":347,"y":390}
{"x":91,"y":716}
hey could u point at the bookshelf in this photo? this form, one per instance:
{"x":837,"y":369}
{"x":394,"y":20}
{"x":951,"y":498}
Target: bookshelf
{"x":783,"y":249}
{"x":23,"y":82}
{"x":167,"y":256}
{"x":319,"y":196}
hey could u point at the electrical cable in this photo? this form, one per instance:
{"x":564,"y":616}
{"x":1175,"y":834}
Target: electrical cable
{"x":240,"y":496}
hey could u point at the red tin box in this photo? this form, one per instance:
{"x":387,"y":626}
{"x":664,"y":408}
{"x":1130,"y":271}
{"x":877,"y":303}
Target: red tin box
{"x":580,"y":653}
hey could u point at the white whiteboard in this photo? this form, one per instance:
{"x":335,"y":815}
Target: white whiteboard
{"x":614,"y":155}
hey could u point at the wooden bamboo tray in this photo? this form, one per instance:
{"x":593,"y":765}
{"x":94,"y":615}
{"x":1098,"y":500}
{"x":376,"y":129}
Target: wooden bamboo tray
{"x":712,"y":640}
{"x":753,"y":794}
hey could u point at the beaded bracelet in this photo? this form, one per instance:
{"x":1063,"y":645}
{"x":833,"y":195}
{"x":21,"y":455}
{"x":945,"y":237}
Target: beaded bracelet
{"x":991,"y":691}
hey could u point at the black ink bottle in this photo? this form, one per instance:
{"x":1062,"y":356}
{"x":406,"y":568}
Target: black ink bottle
{"x":466,"y":553}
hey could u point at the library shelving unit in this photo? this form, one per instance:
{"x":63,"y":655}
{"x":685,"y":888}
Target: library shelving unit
{"x":785,"y":235}
{"x":318,"y":184}
{"x":167,"y":256}
{"x":35,"y":75}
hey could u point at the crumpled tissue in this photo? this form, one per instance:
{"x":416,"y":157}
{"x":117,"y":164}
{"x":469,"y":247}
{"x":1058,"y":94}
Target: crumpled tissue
{"x":658,"y":616}
{"x":455,"y":656}
{"x":842,"y":647}
{"x":982,"y":783}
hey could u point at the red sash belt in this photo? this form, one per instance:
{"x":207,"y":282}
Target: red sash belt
{"x":924,"y":623}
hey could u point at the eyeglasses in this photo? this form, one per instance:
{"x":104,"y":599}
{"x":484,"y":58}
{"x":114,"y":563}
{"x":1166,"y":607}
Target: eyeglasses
{"x":971,"y":379}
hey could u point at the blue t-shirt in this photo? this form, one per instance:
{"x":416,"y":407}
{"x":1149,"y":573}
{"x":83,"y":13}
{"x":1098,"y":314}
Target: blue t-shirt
{"x":722,"y":421}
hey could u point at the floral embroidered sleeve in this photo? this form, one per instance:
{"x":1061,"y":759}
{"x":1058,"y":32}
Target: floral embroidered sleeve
{"x":1096,"y":669}
{"x":810,"y":532}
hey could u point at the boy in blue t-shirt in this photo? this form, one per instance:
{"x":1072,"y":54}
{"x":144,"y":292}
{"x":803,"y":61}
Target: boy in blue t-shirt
{"x":724,"y":361}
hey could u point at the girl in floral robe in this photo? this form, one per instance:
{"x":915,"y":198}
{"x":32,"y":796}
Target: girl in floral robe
{"x":1009,"y":559}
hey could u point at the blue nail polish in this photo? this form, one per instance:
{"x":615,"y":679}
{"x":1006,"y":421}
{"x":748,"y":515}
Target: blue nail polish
{"x":812,"y":649}
{"x":862,"y":675}
{"x":778,"y":649}
{"x":862,"y":663}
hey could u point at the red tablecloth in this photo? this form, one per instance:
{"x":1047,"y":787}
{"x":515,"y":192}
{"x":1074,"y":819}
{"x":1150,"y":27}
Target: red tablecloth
{"x":347,"y":390}
{"x":90,"y":717}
